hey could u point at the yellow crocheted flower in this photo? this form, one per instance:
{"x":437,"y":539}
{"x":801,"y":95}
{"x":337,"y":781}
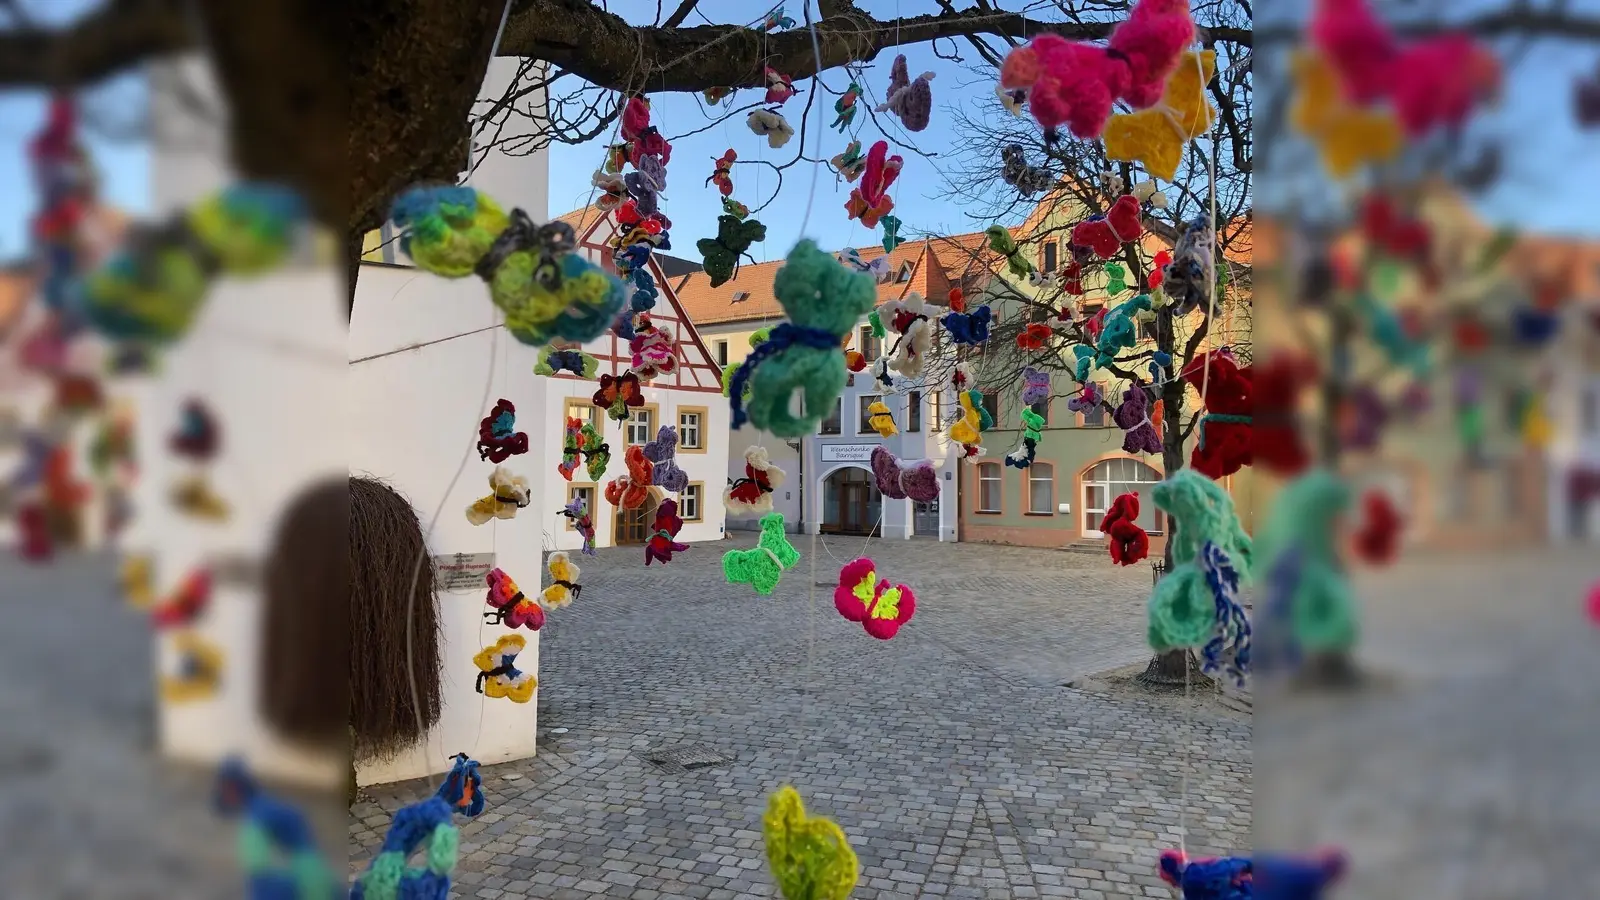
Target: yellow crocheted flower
{"x":810,"y":857}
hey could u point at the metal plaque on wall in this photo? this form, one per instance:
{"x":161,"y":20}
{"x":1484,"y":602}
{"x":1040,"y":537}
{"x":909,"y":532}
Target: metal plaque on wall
{"x":462,"y":571}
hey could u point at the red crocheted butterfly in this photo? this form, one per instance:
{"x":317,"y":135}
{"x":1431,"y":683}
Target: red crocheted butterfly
{"x":1034,"y":337}
{"x":880,"y":607}
{"x":186,"y":603}
{"x":1129,"y":542}
{"x":630,"y":491}
{"x":722,"y":175}
{"x":498,"y":439}
{"x":869,"y":201}
{"x":662,"y":533}
{"x":510,"y":606}
{"x":619,"y":393}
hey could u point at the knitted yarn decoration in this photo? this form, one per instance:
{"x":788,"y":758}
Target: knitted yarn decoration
{"x":968,"y":327}
{"x":809,"y":856}
{"x":911,"y":100}
{"x":1133,"y":416}
{"x":907,"y":318}
{"x":463,"y":787}
{"x":1319,"y":607}
{"x":1119,"y":329}
{"x":1002,"y":242}
{"x":546,"y":290}
{"x":577,"y":513}
{"x":1103,"y":234}
{"x":869,"y":199}
{"x":752,"y":494}
{"x":277,"y":850}
{"x":1075,"y":84}
{"x":1184,"y":279}
{"x":1182,"y":608}
{"x":498,"y":437}
{"x":1222,"y":878}
{"x":762,"y":566}
{"x":772,"y":125}
{"x":1023,"y":456}
{"x":424,"y":826}
{"x":1035,"y":386}
{"x":498,"y":675}
{"x":663,"y":531}
{"x":509,"y":605}
{"x":1228,"y":651}
{"x":571,"y":448}
{"x":564,"y":587}
{"x":1156,"y":136}
{"x":897,"y":480}
{"x":596,"y":452}
{"x":881,"y":420}
{"x":569,"y":359}
{"x":632,"y":490}
{"x":880,"y":607}
{"x":510,"y":493}
{"x":150,"y":290}
{"x":1225,"y":431}
{"x":733,"y":240}
{"x":663,"y":455}
{"x":1299,"y":878}
{"x":823,"y":301}
{"x":1129,"y":543}
{"x":1378,"y":539}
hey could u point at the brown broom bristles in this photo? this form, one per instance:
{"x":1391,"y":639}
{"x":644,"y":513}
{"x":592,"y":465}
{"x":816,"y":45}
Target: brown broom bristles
{"x":386,"y":545}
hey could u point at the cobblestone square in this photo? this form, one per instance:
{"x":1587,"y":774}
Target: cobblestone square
{"x":955,"y":757}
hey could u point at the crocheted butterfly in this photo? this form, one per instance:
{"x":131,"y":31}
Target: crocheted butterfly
{"x":897,"y":480}
{"x":577,"y":512}
{"x":845,"y":108}
{"x":630,"y":491}
{"x":663,"y":456}
{"x":185,"y":604}
{"x":1034,"y":337}
{"x":425,"y":826}
{"x":1035,"y":386}
{"x":564,"y":587}
{"x":643,"y":139}
{"x":1001,"y":241}
{"x":780,"y":87}
{"x":1105,"y":233}
{"x":510,"y":606}
{"x":733,"y":240}
{"x":736,"y":209}
{"x":891,"y":233}
{"x":498,"y":675}
{"x":851,"y":163}
{"x":655,"y":352}
{"x":279,"y":853}
{"x":776,"y":19}
{"x":968,"y":427}
{"x":1076,"y":84}
{"x":762,"y":566}
{"x":1185,"y":280}
{"x":571,"y":448}
{"x":198,"y":673}
{"x":194,"y":496}
{"x":878,"y":268}
{"x":771,"y":124}
{"x":881,"y":419}
{"x":1128,"y":542}
{"x":911,"y":100}
{"x":511,"y":493}
{"x":1023,"y":456}
{"x":618,"y":394}
{"x":881,"y":608}
{"x":567,"y":359}
{"x":722,"y":174}
{"x":612,"y":190}
{"x":968,"y":328}
{"x":1224,"y":878}
{"x":197,"y":436}
{"x":752,"y":494}
{"x":498,"y":439}
{"x":668,"y":523}
{"x":1133,"y":416}
{"x":1156,"y":136}
{"x":908,"y":318}
{"x":463,"y":787}
{"x":809,"y":856}
{"x":1027,"y":179}
{"x":596,"y":452}
{"x":869,"y":201}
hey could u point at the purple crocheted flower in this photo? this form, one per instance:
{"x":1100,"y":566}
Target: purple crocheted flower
{"x":1133,"y":416}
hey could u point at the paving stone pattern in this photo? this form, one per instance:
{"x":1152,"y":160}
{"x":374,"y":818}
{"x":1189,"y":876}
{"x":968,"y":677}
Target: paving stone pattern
{"x":954,"y":757}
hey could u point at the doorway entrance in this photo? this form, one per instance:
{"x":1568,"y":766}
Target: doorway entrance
{"x":632,"y":525}
{"x":851,"y":503}
{"x":1106,"y":480}
{"x":925,"y":518}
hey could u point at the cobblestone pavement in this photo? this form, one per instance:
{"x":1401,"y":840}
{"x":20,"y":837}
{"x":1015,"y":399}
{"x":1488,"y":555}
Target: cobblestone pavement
{"x":1467,"y":772}
{"x":954,"y":757}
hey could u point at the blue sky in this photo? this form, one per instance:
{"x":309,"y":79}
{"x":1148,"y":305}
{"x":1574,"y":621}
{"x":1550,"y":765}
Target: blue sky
{"x":1548,"y":159}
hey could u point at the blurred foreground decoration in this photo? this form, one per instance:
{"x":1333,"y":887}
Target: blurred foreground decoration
{"x":277,"y":850}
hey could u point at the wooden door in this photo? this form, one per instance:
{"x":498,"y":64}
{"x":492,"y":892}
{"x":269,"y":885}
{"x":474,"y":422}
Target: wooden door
{"x":632,"y":524}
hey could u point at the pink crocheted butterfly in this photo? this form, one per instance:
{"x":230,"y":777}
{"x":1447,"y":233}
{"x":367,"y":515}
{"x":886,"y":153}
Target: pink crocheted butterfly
{"x":862,"y":597}
{"x":511,"y":607}
{"x":870,"y":201}
{"x":897,"y":481}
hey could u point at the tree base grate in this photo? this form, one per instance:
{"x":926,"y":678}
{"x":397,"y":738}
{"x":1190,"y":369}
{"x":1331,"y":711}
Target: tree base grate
{"x":685,"y":758}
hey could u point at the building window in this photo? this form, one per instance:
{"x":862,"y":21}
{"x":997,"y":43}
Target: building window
{"x":991,"y":402}
{"x":869,"y":344}
{"x":914,"y":412}
{"x":862,"y":402}
{"x":830,"y":425}
{"x":586,"y":491}
{"x":741,"y":296}
{"x":1109,"y":479}
{"x":1042,"y":409}
{"x":905,"y":273}
{"x":938,"y":412}
{"x":691,"y":429}
{"x":1049,"y":257}
{"x":989,"y":487}
{"x":641,"y":426}
{"x":1041,"y":489}
{"x":585,"y":412}
{"x":1094,"y":417}
{"x":722,"y":353}
{"x":689,"y":504}
{"x":382,"y":245}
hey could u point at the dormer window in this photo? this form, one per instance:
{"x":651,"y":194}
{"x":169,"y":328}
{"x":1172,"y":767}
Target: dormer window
{"x":905,"y":273}
{"x":741,"y":296}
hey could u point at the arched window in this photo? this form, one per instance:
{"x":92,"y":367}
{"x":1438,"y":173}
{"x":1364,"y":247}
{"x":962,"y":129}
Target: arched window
{"x":1111,"y":478}
{"x":988,"y":487}
{"x":1041,"y":488}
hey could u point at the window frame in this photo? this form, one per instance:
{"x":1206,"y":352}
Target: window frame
{"x":1000,"y":490}
{"x":914,"y":412}
{"x":654,"y":409}
{"x":705,"y":416}
{"x":992,"y":397}
{"x":1028,"y":480}
{"x":720,"y":351}
{"x":1048,"y":258}
{"x":864,"y":423}
{"x":591,"y":417}
{"x":1035,"y":408}
{"x":699,"y":489}
{"x":865,"y":341}
{"x":837,"y":418}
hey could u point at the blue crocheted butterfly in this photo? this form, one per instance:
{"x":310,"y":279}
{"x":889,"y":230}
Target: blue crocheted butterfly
{"x":271,"y":828}
{"x":463,"y":787}
{"x":968,"y":328}
{"x":1224,"y":878}
{"x":426,"y":823}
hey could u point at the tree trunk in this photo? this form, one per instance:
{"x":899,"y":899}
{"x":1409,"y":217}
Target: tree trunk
{"x":352,"y":265}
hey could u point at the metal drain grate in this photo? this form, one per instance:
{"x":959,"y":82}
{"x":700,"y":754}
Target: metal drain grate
{"x":685,"y":758}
